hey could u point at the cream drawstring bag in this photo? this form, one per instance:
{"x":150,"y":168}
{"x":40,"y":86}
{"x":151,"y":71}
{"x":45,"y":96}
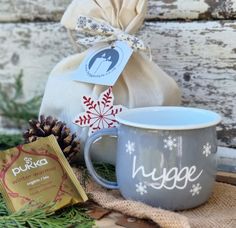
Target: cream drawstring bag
{"x":141,"y":84}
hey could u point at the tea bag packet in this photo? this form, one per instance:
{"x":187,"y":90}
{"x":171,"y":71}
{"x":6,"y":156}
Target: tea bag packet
{"x":141,"y":82}
{"x":37,"y":174}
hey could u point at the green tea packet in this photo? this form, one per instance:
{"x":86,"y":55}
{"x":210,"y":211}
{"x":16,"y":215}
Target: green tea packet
{"x":38,"y":174}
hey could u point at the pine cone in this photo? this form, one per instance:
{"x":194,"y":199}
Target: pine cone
{"x":50,"y":126}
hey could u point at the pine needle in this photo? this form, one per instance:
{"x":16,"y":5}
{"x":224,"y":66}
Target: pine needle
{"x":107,"y":171}
{"x":10,"y":141}
{"x":43,"y":217}
{"x":12,"y":106}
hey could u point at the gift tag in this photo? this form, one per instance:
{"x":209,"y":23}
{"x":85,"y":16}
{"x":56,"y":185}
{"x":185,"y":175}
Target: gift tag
{"x":104,"y":64}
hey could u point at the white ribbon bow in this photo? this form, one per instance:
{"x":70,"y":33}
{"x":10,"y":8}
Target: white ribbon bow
{"x":103,"y":32}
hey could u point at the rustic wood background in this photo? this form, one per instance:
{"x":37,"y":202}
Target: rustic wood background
{"x":192,"y":40}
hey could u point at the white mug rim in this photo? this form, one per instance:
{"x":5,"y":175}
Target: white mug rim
{"x":125,"y":118}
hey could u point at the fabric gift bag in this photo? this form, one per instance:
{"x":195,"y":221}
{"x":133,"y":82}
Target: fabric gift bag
{"x":141,"y":84}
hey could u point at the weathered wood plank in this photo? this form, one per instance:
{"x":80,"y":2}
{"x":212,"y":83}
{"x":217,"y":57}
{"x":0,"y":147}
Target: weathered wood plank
{"x":31,"y":10}
{"x":228,"y":178}
{"x":192,"y":9}
{"x":202,"y":58}
{"x":199,"y":55}
{"x":34,"y":48}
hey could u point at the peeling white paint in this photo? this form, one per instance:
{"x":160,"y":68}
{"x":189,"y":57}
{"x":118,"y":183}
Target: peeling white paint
{"x":192,"y":9}
{"x":11,"y":10}
{"x":178,"y":9}
{"x":199,"y":55}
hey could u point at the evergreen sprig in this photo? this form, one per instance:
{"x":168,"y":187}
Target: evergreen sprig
{"x":12,"y":106}
{"x":106,"y":171}
{"x":73,"y":216}
{"x":10,"y":141}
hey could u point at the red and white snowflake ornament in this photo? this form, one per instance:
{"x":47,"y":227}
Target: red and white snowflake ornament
{"x":99,"y":114}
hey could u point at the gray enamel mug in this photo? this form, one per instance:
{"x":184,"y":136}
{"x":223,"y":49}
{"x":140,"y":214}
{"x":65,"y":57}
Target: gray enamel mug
{"x":165,"y":156}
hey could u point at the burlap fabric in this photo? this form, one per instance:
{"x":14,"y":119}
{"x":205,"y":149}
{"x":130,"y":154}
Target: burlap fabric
{"x":218,"y":212}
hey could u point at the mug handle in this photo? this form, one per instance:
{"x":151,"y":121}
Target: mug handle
{"x":88,"y":161}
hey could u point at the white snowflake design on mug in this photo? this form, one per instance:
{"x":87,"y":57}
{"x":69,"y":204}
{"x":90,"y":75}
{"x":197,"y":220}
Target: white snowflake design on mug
{"x":170,"y":143}
{"x":141,"y":188}
{"x":130,"y":147}
{"x":196,"y":188}
{"x":207,"y":149}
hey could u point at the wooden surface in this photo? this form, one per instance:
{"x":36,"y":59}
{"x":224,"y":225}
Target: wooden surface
{"x":200,"y":56}
{"x":31,"y":10}
{"x":117,"y":220}
{"x":192,"y":9}
{"x":105,"y":218}
{"x":229,"y":178}
{"x":33,"y":47}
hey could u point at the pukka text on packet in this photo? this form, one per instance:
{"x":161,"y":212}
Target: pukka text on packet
{"x":37,"y":174}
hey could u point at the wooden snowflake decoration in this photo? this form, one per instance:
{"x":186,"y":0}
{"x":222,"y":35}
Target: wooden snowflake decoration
{"x":99,"y":114}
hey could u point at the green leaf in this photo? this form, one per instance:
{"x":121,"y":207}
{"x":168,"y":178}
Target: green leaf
{"x":19,"y":86}
{"x":12,"y":107}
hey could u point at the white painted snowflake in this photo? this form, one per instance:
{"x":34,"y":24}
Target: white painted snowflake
{"x":130,"y":147}
{"x":170,"y":143}
{"x":207,"y":149}
{"x":99,"y":114}
{"x":141,"y":188}
{"x":196,"y":188}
